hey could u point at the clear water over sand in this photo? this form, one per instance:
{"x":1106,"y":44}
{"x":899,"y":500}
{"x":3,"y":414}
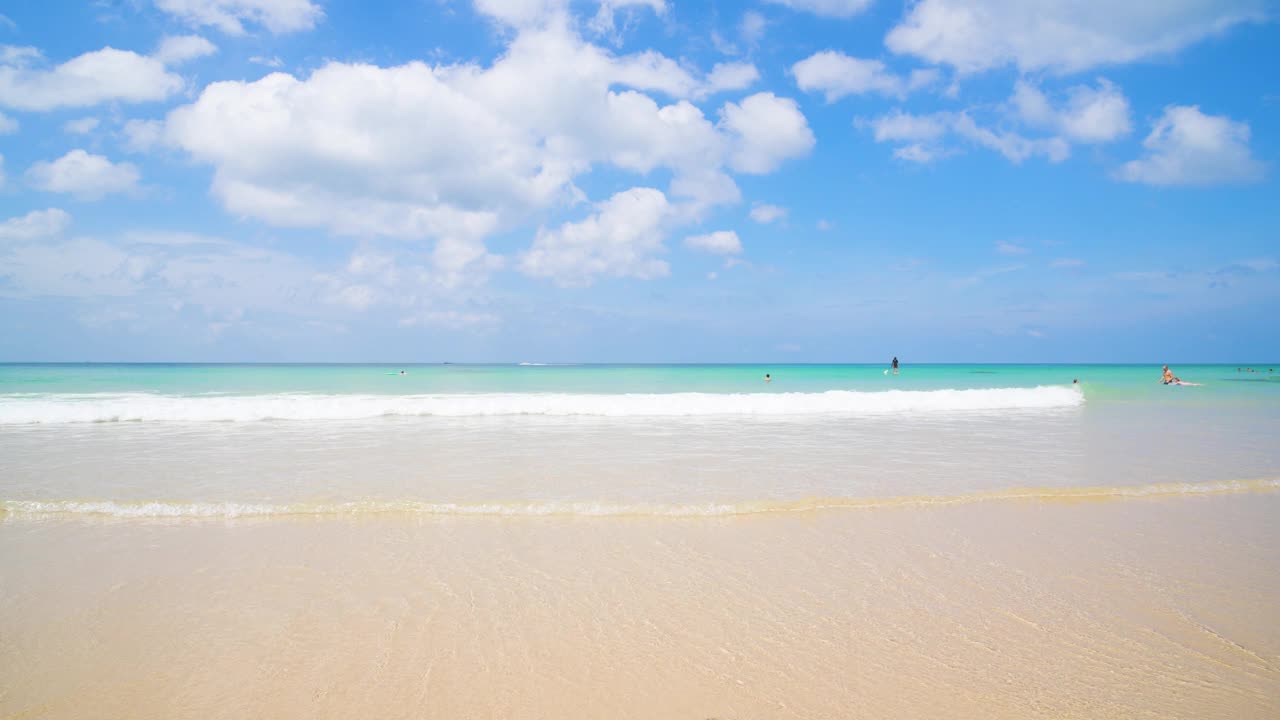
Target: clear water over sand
{"x":837,"y":543}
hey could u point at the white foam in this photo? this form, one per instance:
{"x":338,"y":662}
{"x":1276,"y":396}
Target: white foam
{"x":197,"y":510}
{"x":146,"y":407}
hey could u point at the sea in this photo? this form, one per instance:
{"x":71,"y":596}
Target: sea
{"x":231,"y":440}
{"x":562,"y":540}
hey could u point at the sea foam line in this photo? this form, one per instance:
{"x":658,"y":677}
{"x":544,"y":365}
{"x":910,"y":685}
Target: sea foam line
{"x":27,"y":409}
{"x":231,"y":510}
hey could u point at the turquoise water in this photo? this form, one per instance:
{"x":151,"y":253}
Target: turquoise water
{"x":1219,"y":382}
{"x":215,"y":440}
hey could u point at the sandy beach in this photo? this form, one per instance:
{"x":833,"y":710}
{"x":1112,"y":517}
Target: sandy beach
{"x":1135,"y":608}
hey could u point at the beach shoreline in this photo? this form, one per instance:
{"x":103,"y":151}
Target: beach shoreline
{"x":1139,"y":607}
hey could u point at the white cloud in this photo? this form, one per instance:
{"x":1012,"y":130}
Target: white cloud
{"x":230,"y":16}
{"x":768,"y":130}
{"x":923,"y":135}
{"x":1091,"y":115}
{"x":765,"y":214}
{"x":898,"y":125}
{"x":456,"y":152}
{"x":357,"y":297}
{"x":917,"y":153}
{"x":522,"y":13}
{"x":620,"y":239}
{"x":142,"y":135}
{"x":7,"y":124}
{"x":175,"y":50}
{"x":80,"y":126}
{"x":1013,"y":146}
{"x":271,"y":62}
{"x":82,"y":174}
{"x":837,"y":75}
{"x":1188,"y":147}
{"x":976,"y":35}
{"x":452,"y":320}
{"x":223,"y":278}
{"x":752,"y":27}
{"x":94,"y":77}
{"x":827,"y":8}
{"x":1008,"y":248}
{"x":730,"y":76}
{"x":35,"y":224}
{"x":603,"y":22}
{"x":721,"y":242}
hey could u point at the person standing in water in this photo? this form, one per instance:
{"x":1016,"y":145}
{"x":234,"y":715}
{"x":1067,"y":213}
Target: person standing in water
{"x":895,"y":365}
{"x":767,"y":378}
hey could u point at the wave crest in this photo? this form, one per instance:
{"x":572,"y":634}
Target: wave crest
{"x":148,"y":407}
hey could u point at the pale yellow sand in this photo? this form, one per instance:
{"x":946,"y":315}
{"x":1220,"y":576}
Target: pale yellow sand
{"x":1136,"y":608}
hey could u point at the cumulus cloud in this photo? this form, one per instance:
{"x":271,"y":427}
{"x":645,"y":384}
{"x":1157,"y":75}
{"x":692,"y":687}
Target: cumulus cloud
{"x":721,"y":242}
{"x":767,"y":130}
{"x":603,"y":21}
{"x":898,"y":125}
{"x":1188,"y":147}
{"x":976,"y":35}
{"x":456,"y":152}
{"x":1090,"y":115}
{"x":836,"y":75}
{"x":765,"y":214}
{"x":175,"y":50}
{"x":522,"y":13}
{"x":230,"y":16}
{"x":95,"y":77}
{"x":620,"y":239}
{"x":827,"y":8}
{"x":730,"y":76}
{"x":83,"y":174}
{"x":35,"y":224}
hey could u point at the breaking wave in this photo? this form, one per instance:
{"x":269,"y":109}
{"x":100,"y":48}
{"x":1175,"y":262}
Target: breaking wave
{"x":22,"y":409}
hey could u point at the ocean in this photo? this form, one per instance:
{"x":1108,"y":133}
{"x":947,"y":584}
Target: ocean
{"x":539,"y":540}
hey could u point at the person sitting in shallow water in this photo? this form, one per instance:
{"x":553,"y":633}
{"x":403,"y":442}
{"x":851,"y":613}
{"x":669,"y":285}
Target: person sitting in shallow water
{"x":1167,"y":378}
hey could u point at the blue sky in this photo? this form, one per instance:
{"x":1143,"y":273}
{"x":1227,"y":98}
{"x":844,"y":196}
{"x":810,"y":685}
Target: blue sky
{"x":639,"y":180}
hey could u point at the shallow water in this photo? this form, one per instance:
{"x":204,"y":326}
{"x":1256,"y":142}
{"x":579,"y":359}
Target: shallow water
{"x":651,"y":541}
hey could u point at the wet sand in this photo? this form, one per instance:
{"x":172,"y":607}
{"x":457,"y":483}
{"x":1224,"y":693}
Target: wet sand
{"x":1128,"y":608}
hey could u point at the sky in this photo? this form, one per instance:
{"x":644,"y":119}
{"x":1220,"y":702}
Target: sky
{"x":639,"y":181}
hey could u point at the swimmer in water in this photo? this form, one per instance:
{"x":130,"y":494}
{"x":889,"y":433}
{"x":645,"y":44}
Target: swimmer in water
{"x":767,"y":378}
{"x":1166,"y":377}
